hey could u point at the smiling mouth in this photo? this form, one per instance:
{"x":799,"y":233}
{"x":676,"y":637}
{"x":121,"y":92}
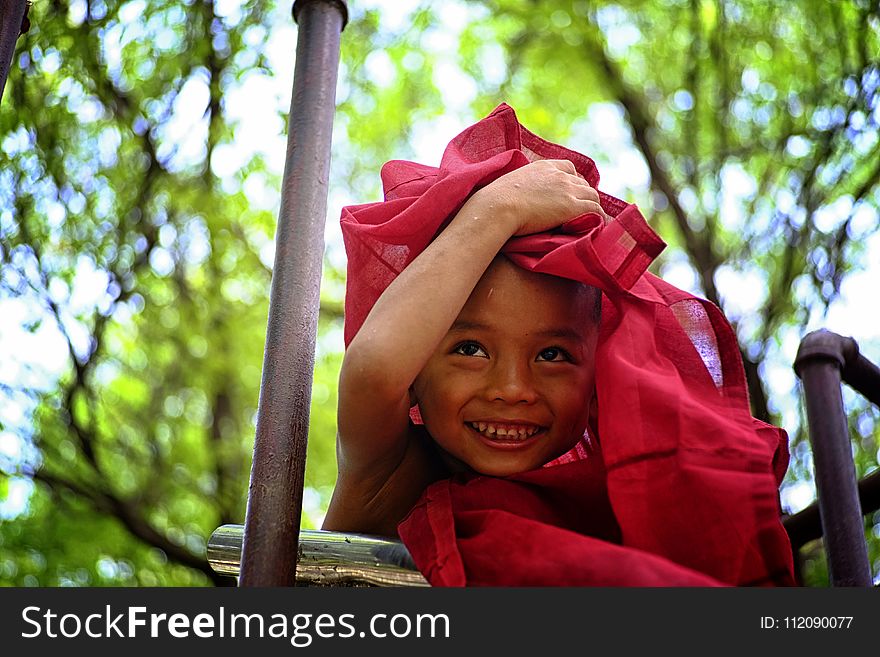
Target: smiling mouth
{"x":506,"y":432}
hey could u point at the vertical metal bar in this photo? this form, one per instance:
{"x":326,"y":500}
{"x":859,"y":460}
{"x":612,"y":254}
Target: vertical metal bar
{"x":277,"y":475}
{"x":820,"y":359}
{"x":12,"y":15}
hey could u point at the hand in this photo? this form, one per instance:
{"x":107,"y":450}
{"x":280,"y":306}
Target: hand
{"x":541,"y":195}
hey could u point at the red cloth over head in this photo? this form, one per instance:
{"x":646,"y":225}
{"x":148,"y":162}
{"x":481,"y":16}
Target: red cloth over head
{"x":680,"y":485}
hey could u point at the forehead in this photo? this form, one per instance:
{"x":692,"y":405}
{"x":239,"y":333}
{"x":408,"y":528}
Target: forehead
{"x":509,"y":294}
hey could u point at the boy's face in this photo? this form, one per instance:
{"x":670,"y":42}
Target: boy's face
{"x":510,"y":386}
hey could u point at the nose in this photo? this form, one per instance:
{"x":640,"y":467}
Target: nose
{"x":512,"y":382}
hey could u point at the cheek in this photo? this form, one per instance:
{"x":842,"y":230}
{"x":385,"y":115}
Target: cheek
{"x":438,"y":396}
{"x":572,"y":395}
{"x":425,"y":385}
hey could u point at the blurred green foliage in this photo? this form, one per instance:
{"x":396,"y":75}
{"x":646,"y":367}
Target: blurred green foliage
{"x":137,"y":238}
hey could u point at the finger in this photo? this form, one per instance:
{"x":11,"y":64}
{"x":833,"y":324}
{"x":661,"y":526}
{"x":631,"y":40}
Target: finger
{"x":567,"y":166}
{"x":585,"y":191}
{"x":571,"y":168}
{"x":592,"y":206}
{"x":580,"y":180}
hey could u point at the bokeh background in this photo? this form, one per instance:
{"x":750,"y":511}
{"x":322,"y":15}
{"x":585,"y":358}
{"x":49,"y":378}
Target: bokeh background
{"x":141,"y":151}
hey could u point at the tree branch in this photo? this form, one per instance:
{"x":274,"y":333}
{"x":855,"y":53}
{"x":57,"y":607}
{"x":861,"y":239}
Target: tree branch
{"x":133,"y":522}
{"x":699,"y":248}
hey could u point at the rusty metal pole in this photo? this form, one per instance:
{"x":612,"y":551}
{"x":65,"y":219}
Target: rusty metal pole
{"x":274,"y":504}
{"x":13,"y":22}
{"x":821,"y":357}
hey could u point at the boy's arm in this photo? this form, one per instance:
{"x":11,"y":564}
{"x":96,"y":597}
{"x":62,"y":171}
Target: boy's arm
{"x":416,"y":310}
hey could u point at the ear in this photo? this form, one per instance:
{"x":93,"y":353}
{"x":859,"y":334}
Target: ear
{"x":593,"y":421}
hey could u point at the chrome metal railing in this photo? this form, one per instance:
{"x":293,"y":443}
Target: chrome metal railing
{"x":327,"y":558}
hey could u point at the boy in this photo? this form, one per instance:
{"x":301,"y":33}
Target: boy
{"x":462,"y":359}
{"x":500,"y":360}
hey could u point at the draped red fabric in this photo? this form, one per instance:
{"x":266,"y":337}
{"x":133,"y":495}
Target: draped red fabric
{"x":676,"y":486}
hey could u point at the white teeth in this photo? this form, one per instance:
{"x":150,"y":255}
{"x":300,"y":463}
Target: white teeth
{"x":492,"y":430}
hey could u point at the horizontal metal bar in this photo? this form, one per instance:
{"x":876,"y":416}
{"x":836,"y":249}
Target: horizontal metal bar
{"x":327,"y":558}
{"x":863,"y":376}
{"x":858,"y":372}
{"x":805,"y":525}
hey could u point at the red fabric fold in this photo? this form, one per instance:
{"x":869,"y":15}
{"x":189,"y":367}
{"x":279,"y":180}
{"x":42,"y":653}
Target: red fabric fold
{"x":679,"y":484}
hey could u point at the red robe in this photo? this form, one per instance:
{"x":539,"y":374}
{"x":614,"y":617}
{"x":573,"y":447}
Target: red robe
{"x":679,"y":485}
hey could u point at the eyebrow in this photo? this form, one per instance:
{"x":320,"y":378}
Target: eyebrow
{"x":461,"y":326}
{"x":568,"y":333}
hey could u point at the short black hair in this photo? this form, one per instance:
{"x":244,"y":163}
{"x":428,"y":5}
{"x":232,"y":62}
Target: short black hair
{"x":596,"y":301}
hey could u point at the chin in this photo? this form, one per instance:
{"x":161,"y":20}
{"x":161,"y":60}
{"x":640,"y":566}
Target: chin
{"x":504,"y":470}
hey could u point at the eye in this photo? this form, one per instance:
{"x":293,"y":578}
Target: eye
{"x":470,"y":349}
{"x":554,"y":354}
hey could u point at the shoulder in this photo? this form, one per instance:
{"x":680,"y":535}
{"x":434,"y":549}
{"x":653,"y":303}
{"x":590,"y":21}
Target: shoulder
{"x":374,"y":500}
